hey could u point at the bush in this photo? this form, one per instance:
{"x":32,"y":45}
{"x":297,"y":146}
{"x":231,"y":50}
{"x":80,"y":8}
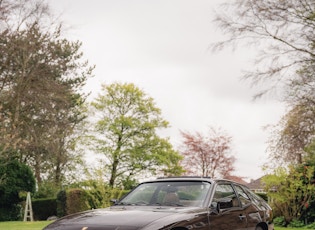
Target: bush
{"x":263,"y":195}
{"x":61,"y":203}
{"x":296,"y":224}
{"x":77,"y":201}
{"x":44,"y":208}
{"x":310,"y":226}
{"x":101,"y":198}
{"x":15,"y":177}
{"x":11,"y":213}
{"x":46,"y":190}
{"x":279,"y":221}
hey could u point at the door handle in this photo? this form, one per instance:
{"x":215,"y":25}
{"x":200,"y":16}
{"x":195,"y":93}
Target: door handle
{"x":242,"y":217}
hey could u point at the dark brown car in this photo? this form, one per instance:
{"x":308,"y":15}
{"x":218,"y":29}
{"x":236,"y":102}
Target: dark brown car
{"x":182,"y":203}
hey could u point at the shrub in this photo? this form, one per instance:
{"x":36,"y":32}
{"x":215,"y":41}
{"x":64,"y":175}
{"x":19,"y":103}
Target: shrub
{"x":46,"y":190}
{"x":77,"y":201}
{"x":279,"y":221}
{"x":15,"y":177}
{"x":310,"y":226}
{"x":263,"y":195}
{"x":101,"y":198}
{"x":296,"y":224}
{"x":61,"y":203}
{"x":44,"y":208}
{"x":11,"y":213}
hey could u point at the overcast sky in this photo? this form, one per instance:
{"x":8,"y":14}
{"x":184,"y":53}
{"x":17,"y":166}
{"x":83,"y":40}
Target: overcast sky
{"x":162,"y":46}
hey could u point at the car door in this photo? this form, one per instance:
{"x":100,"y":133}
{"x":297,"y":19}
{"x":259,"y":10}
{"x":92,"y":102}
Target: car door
{"x":226,"y":212}
{"x":257,"y":210}
{"x":252,"y":213}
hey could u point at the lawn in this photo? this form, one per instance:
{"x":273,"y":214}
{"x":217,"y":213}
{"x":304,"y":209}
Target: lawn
{"x":20,"y":225}
{"x":280,"y":228}
{"x":39,"y":225}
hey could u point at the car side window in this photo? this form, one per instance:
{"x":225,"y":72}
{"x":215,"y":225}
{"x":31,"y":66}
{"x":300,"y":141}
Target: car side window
{"x":243,"y":197}
{"x":225,"y":195}
{"x":255,"y":198}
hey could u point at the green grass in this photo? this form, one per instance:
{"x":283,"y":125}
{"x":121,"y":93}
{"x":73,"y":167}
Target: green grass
{"x":20,"y":225}
{"x":280,"y":228}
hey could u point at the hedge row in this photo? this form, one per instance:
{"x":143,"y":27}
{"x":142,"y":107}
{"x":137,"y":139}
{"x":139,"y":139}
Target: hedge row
{"x":44,"y":208}
{"x":67,"y":202}
{"x":72,"y":201}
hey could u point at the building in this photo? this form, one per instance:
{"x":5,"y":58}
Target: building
{"x":257,"y":185}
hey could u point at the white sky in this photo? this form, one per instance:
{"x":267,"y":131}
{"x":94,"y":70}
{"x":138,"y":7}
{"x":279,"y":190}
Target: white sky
{"x":162,"y":46}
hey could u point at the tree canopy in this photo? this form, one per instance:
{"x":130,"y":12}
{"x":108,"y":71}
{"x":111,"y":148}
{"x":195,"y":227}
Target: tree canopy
{"x":41,"y":77}
{"x":207,"y":155}
{"x":126,"y":125}
{"x":283,"y":31}
{"x":292,"y":191}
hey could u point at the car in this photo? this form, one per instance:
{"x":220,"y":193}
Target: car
{"x":178,"y":203}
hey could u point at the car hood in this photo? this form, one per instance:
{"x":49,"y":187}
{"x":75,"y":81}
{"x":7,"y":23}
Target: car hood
{"x":122,"y":218}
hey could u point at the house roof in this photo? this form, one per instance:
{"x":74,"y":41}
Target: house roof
{"x":256,"y":184}
{"x":236,"y":179}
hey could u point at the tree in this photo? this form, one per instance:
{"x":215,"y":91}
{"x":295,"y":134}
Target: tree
{"x":126,"y":123}
{"x":291,"y":190}
{"x":41,"y":75}
{"x":292,"y":135}
{"x":16,"y":15}
{"x":207,"y":156}
{"x":284,"y":32}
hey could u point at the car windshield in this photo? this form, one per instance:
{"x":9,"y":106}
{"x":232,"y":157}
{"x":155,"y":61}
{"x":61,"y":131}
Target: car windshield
{"x":170,"y":193}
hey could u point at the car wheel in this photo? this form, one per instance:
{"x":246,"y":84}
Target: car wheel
{"x":259,"y":228}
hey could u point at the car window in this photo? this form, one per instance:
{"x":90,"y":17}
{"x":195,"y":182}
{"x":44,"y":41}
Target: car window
{"x":243,"y":197}
{"x":256,"y":199}
{"x":183,"y":193}
{"x":225,"y":195}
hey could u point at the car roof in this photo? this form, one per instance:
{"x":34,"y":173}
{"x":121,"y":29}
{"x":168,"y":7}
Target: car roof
{"x":185,"y":178}
{"x":193,"y":178}
{"x":182,"y":178}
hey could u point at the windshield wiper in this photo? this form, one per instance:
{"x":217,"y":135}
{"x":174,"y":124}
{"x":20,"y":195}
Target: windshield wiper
{"x":140,"y":203}
{"x":171,"y":204}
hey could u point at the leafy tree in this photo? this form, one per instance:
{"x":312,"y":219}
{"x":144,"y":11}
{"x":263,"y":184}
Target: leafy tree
{"x":291,"y":190}
{"x":126,"y":122}
{"x":208,"y":155}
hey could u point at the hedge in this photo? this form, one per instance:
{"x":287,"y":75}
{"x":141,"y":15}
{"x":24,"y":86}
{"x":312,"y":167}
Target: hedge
{"x":77,"y":201}
{"x":44,"y":208}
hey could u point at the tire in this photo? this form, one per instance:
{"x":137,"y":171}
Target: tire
{"x":259,"y":228}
